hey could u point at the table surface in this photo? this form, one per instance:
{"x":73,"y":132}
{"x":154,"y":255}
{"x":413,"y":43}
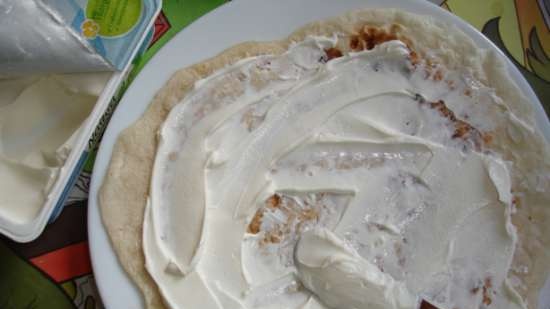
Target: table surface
{"x":54,"y":271}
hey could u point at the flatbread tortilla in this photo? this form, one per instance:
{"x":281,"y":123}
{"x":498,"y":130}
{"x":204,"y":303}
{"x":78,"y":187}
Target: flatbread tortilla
{"x":124,"y":192}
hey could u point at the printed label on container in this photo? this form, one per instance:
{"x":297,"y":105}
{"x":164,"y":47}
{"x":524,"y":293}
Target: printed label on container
{"x":113,"y":28}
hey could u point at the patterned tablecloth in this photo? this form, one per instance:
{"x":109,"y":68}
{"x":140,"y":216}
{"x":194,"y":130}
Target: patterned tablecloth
{"x":54,"y":271}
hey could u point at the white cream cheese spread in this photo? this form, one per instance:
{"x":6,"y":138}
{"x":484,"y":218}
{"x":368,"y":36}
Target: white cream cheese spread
{"x":341,"y":278}
{"x":39,"y":122}
{"x":300,"y":181}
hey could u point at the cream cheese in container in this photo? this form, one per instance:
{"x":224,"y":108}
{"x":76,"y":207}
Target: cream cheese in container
{"x":48,"y":112}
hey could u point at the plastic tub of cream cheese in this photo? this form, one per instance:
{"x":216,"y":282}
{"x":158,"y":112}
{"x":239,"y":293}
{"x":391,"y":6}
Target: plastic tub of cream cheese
{"x":46,"y":120}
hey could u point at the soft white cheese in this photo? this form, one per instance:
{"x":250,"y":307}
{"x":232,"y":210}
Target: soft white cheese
{"x":342,"y":279}
{"x":273,"y":146}
{"x":39,"y":122}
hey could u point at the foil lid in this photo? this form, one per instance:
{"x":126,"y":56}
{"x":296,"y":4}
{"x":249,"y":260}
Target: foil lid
{"x":68,"y":36}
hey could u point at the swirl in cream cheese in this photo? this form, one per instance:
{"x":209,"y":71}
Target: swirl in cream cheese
{"x":292,"y":182}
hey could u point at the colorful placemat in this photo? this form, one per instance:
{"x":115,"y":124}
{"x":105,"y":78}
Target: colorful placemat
{"x":54,"y":271}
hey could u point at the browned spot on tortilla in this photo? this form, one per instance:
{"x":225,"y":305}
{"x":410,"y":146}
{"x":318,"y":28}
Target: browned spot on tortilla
{"x":414,"y":58}
{"x":355,"y":43}
{"x":273,"y":201}
{"x":295,"y":215}
{"x":256,"y":222}
{"x":443,"y":109}
{"x":333,"y":53}
{"x":486,"y":286}
{"x":368,"y":37}
{"x":438,"y":75}
{"x":487,"y":138}
{"x":426,"y":305}
{"x":374,"y":36}
{"x":254,"y":226}
{"x":463,"y":130}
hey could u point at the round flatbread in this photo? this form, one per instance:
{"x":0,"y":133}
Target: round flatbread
{"x":124,"y":193}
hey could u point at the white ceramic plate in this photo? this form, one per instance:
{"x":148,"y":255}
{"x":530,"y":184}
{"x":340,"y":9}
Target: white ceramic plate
{"x":232,"y":23}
